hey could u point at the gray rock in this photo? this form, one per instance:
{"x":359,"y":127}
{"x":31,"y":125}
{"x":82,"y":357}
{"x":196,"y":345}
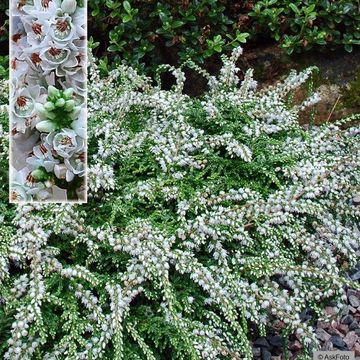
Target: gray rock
{"x":353,"y":292}
{"x":327,"y":346}
{"x":354,"y":325}
{"x":355,"y":276}
{"x":347,"y":319}
{"x":256,"y":352}
{"x":354,"y":301}
{"x":276,"y":341}
{"x":332,"y":331}
{"x":322,"y":335}
{"x":295,"y":345}
{"x":261,"y":342}
{"x":345,"y":310}
{"x":344,"y":329}
{"x":350,"y":339}
{"x":338,"y":342}
{"x":356,"y":200}
{"x":265,"y":354}
{"x":357,"y":331}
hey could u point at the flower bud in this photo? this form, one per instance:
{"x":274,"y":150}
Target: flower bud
{"x":46,"y":126}
{"x":76,"y":112}
{"x":40,"y":109}
{"x":69,"y":106}
{"x":49,"y":106}
{"x":68,"y":93}
{"x":60,"y":103}
{"x":68,"y":6}
{"x":53,"y":91}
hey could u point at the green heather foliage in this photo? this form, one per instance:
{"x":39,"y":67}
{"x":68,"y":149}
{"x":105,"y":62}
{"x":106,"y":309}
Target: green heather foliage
{"x":155,"y":32}
{"x":209,"y":221}
{"x":4,"y":64}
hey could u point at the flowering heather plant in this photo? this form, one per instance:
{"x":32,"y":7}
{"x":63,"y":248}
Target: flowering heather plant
{"x":210,"y":220}
{"x":48,"y":116}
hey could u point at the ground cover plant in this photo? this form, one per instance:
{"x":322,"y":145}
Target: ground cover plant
{"x":155,"y":32}
{"x":210,"y":220}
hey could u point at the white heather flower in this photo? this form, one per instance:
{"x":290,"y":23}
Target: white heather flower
{"x":23,"y":188}
{"x":23,"y":106}
{"x":65,"y":143}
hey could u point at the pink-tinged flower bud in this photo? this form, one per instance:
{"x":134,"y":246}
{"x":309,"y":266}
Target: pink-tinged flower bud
{"x":69,"y":6}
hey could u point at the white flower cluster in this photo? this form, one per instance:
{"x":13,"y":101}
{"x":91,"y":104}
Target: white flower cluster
{"x":202,"y":230}
{"x":48,"y":100}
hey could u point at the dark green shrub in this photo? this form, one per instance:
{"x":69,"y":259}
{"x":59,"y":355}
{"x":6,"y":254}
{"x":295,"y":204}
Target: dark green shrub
{"x":3,"y":23}
{"x":302,"y":25}
{"x":153,"y":32}
{"x":163,"y":31}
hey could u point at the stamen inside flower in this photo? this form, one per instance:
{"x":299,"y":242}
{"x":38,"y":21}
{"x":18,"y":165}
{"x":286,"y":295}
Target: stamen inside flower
{"x":30,"y":179}
{"x":35,"y":58}
{"x":62,"y":25}
{"x":43,"y":149}
{"x":62,"y":29}
{"x":37,"y":28}
{"x":16,"y":37}
{"x":20,"y":4}
{"x":21,"y":101}
{"x":45,"y":3}
{"x":82,"y":157}
{"x":66,"y":140}
{"x":56,"y":54}
{"x":23,"y":106}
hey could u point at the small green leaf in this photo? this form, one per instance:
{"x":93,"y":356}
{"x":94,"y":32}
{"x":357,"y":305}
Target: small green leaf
{"x":294,"y":8}
{"x":348,"y":48}
{"x":127,"y":7}
{"x":126,"y":18}
{"x":113,"y":48}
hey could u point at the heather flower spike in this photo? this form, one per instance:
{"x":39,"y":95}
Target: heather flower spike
{"x":52,"y":115}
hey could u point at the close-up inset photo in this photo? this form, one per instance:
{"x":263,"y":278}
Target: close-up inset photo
{"x":48,"y":52}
